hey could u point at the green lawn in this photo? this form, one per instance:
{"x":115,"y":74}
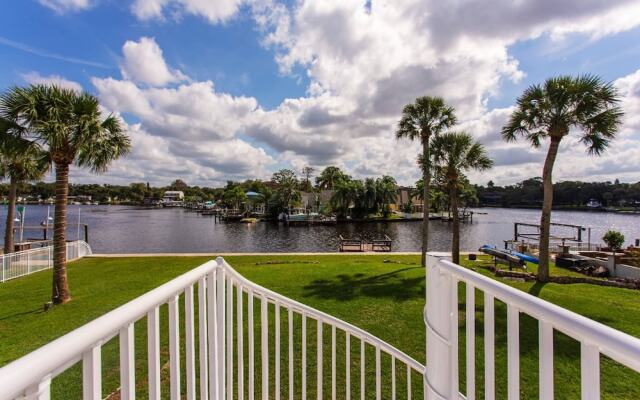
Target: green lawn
{"x":384,"y":298}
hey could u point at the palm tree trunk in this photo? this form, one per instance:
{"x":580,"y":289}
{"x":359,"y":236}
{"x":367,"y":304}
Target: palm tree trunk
{"x":547,"y":202}
{"x":455,"y":239}
{"x":60,"y":293}
{"x":426,"y":179}
{"x":11,"y":209}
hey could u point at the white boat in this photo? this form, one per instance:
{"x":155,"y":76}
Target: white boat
{"x":593,"y":203}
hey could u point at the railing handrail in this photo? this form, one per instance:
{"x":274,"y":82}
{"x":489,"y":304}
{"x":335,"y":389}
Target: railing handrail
{"x":325,"y":318}
{"x":618,"y":345}
{"x":54,"y":357}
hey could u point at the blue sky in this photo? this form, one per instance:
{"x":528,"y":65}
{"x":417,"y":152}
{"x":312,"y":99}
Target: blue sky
{"x":236,"y":89}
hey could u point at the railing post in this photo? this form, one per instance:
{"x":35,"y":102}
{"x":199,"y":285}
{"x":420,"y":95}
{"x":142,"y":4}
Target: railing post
{"x":437,"y":316}
{"x":220,"y":326}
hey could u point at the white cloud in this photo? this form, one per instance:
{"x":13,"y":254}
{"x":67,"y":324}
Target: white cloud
{"x":363,"y":65}
{"x":143,"y":62}
{"x":63,"y":6}
{"x":35,"y":78}
{"x":214,"y":11}
{"x":188,"y":131}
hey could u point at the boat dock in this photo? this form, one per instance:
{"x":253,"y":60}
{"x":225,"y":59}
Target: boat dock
{"x":363,"y":246}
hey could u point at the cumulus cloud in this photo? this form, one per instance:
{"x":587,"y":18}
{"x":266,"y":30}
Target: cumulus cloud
{"x":214,"y":11}
{"x":35,"y":78}
{"x":143,"y":62}
{"x":63,"y":6}
{"x":188,"y":131}
{"x":364,"y":62}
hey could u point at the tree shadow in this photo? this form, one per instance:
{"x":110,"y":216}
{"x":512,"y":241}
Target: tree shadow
{"x":536,"y":288}
{"x":38,"y":310}
{"x":348,"y":287}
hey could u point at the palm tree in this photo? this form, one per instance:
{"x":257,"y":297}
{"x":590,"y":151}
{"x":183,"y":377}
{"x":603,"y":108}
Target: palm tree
{"x":20,"y":161}
{"x":427,"y":117}
{"x":70,"y":126}
{"x":349,"y":194}
{"x":330,"y":177}
{"x":554,"y":109}
{"x":454,"y":153}
{"x":386,"y":193}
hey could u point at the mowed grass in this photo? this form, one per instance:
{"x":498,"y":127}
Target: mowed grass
{"x":382,"y":294}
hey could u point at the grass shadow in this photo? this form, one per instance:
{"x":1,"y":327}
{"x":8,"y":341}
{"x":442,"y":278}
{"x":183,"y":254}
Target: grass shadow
{"x":348,"y":287}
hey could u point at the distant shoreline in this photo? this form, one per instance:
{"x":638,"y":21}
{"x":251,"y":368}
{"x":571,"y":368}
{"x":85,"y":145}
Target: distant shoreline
{"x":568,"y":208}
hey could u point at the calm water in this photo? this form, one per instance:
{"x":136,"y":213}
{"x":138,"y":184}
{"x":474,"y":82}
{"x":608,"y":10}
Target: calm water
{"x":123,"y":229}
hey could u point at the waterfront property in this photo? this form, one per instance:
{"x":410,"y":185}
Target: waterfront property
{"x":383,"y":295}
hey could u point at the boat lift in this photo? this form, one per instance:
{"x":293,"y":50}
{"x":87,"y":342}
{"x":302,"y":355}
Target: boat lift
{"x":573,"y":239}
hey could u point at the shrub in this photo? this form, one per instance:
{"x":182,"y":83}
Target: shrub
{"x":613,"y":239}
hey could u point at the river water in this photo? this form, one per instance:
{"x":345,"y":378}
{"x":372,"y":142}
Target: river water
{"x":125,"y":229}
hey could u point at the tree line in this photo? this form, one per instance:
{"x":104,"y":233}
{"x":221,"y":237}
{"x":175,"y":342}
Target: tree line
{"x":529,"y":193}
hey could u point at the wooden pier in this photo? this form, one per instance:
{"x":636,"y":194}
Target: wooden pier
{"x":363,"y":246}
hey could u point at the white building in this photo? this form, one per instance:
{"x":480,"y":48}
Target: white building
{"x":173,"y":198}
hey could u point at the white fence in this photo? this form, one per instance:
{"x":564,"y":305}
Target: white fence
{"x":21,"y":263}
{"x":442,"y":321}
{"x":273,"y":358}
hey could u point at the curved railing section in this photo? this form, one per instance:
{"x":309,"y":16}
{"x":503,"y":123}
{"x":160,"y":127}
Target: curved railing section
{"x":442,"y":318}
{"x":22,"y":263}
{"x":251,"y":343}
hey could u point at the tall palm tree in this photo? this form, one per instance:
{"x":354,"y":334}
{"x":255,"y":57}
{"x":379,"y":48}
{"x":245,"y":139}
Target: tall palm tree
{"x":454,"y":153}
{"x":20,"y":161}
{"x":330,"y":177}
{"x":427,"y":117}
{"x":564,"y":104}
{"x":70,"y":126}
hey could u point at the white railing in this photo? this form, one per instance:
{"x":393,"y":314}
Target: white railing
{"x":21,"y":263}
{"x":442,"y":321}
{"x":263,"y":323}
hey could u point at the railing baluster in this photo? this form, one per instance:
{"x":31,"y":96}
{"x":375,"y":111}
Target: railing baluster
{"x":347,"y":365}
{"x":409,"y":388}
{"x":319,"y":360}
{"x":453,"y":323}
{"x":229,"y":338}
{"x":304,"y":356}
{"x":590,"y":371}
{"x":240,"y":344}
{"x":362,"y":368}
{"x":212,"y":332}
{"x":153,"y":352}
{"x":489,"y":350}
{"x":40,"y":391}
{"x":546,"y":360}
{"x":174,"y":348}
{"x":277,"y":345}
{"x":470,"y":327}
{"x":513,"y":350}
{"x":264,"y":343}
{"x":202,"y":337}
{"x":251,"y":346}
{"x":290,"y":354}
{"x":333,"y":362}
{"x":190,"y":349}
{"x":92,"y":374}
{"x":220,"y":322}
{"x":378,"y":375}
{"x":393,"y":377}
{"x":127,"y":364}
